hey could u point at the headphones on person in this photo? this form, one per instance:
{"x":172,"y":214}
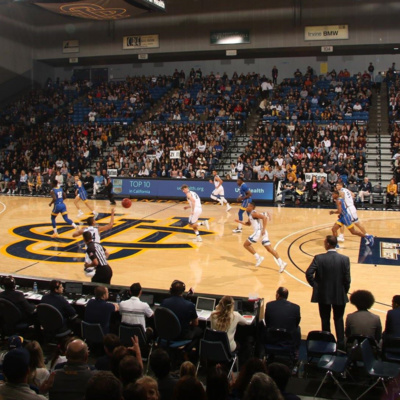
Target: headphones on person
{"x":177,"y":287}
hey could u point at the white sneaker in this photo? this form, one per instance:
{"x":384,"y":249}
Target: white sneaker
{"x":259,"y":261}
{"x":96,"y":214}
{"x":207,"y":224}
{"x":237,"y":230}
{"x":282,"y":266}
{"x":340,"y":238}
{"x":199,"y":239}
{"x":9,"y":191}
{"x":228,"y":207}
{"x":80,"y":213}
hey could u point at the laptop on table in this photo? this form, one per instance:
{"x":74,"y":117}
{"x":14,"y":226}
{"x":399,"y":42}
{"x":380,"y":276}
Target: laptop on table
{"x":204,"y":307}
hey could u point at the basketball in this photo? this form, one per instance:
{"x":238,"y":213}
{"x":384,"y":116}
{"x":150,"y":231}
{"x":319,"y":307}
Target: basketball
{"x":126,"y":203}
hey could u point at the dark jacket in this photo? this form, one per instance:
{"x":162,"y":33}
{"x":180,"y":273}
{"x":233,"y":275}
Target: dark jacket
{"x":282,"y":314}
{"x":329,"y":276}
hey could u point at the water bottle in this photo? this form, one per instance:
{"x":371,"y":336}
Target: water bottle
{"x":118,"y":298}
{"x":35,"y":288}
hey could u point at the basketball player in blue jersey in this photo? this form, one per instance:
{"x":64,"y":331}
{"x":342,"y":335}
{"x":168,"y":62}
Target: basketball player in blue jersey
{"x":259,"y":220}
{"x":58,"y":197}
{"x":346,"y":219}
{"x":80,"y":194}
{"x":245,"y":199}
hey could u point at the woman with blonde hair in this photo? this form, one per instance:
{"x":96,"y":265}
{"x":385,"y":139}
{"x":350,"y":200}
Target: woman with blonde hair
{"x":225,"y":319}
{"x":38,"y":372}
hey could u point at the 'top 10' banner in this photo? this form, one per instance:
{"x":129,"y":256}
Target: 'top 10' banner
{"x":171,"y":188}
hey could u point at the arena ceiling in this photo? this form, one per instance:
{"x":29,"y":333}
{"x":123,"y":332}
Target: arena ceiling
{"x":306,"y":12}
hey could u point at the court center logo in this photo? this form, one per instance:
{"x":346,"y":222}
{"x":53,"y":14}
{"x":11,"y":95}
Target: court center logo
{"x":35,"y":241}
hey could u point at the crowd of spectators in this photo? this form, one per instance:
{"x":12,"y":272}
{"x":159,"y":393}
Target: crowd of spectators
{"x":119,"y":372}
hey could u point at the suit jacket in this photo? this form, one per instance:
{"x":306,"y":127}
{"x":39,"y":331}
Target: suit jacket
{"x":282,"y":314}
{"x":329,"y":276}
{"x":364,"y":323}
{"x":392,"y":326}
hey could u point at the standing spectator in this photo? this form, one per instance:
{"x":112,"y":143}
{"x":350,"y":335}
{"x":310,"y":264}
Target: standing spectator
{"x":134,"y":311}
{"x":365,"y":190}
{"x":363,"y":322}
{"x":371,"y":70}
{"x":109,"y":187}
{"x":274,"y":75}
{"x":329,"y":276}
{"x":16,"y":371}
{"x":98,"y":310}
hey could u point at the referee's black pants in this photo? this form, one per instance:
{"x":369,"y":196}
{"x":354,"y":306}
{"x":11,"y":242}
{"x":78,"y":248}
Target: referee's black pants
{"x":103,"y":274}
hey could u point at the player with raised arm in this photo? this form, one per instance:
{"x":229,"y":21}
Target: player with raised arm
{"x":218,"y":193}
{"x":81,"y":194}
{"x":259,"y":220}
{"x":346,"y":219}
{"x":57,"y":198}
{"x":94,"y":228}
{"x":196,"y":210}
{"x":245,"y":199}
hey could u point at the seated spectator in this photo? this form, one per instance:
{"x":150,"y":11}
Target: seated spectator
{"x":217,"y":385}
{"x":103,"y":386}
{"x":88,"y":181}
{"x":324,"y":189}
{"x":187,"y":369}
{"x":282,"y":314}
{"x":391,"y":190}
{"x":150,"y":386}
{"x":287,"y":188}
{"x":13,"y":342}
{"x":18,"y":299}
{"x":185,"y":310}
{"x":16,"y":371}
{"x":332,"y":178}
{"x":392,"y":326}
{"x":70,"y":382}
{"x":98,"y":182}
{"x":280,"y":374}
{"x":263,"y":387}
{"x":38,"y":372}
{"x":99,"y":310}
{"x":225,"y":319}
{"x":110,"y":342}
{"x":134,"y":311}
{"x":130,"y":369}
{"x":312,"y":188}
{"x":59,"y":359}
{"x":57,"y":300}
{"x":160,"y":364}
{"x":189,"y":387}
{"x":363,"y":322}
{"x":365,"y":190}
{"x":300,"y":191}
{"x":246,"y":372}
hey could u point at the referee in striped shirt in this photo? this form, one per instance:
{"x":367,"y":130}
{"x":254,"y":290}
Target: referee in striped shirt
{"x":98,"y":256}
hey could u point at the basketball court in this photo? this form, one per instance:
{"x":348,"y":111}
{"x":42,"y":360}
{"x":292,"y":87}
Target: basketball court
{"x":151,"y":243}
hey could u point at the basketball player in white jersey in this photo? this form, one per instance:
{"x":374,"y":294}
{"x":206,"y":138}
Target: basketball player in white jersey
{"x":94,"y":229}
{"x":219,"y":193}
{"x":348,"y":197}
{"x":259,"y":223}
{"x":195,"y":211}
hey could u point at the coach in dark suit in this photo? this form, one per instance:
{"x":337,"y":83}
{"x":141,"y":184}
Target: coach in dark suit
{"x":282,"y":314}
{"x":329,"y":276}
